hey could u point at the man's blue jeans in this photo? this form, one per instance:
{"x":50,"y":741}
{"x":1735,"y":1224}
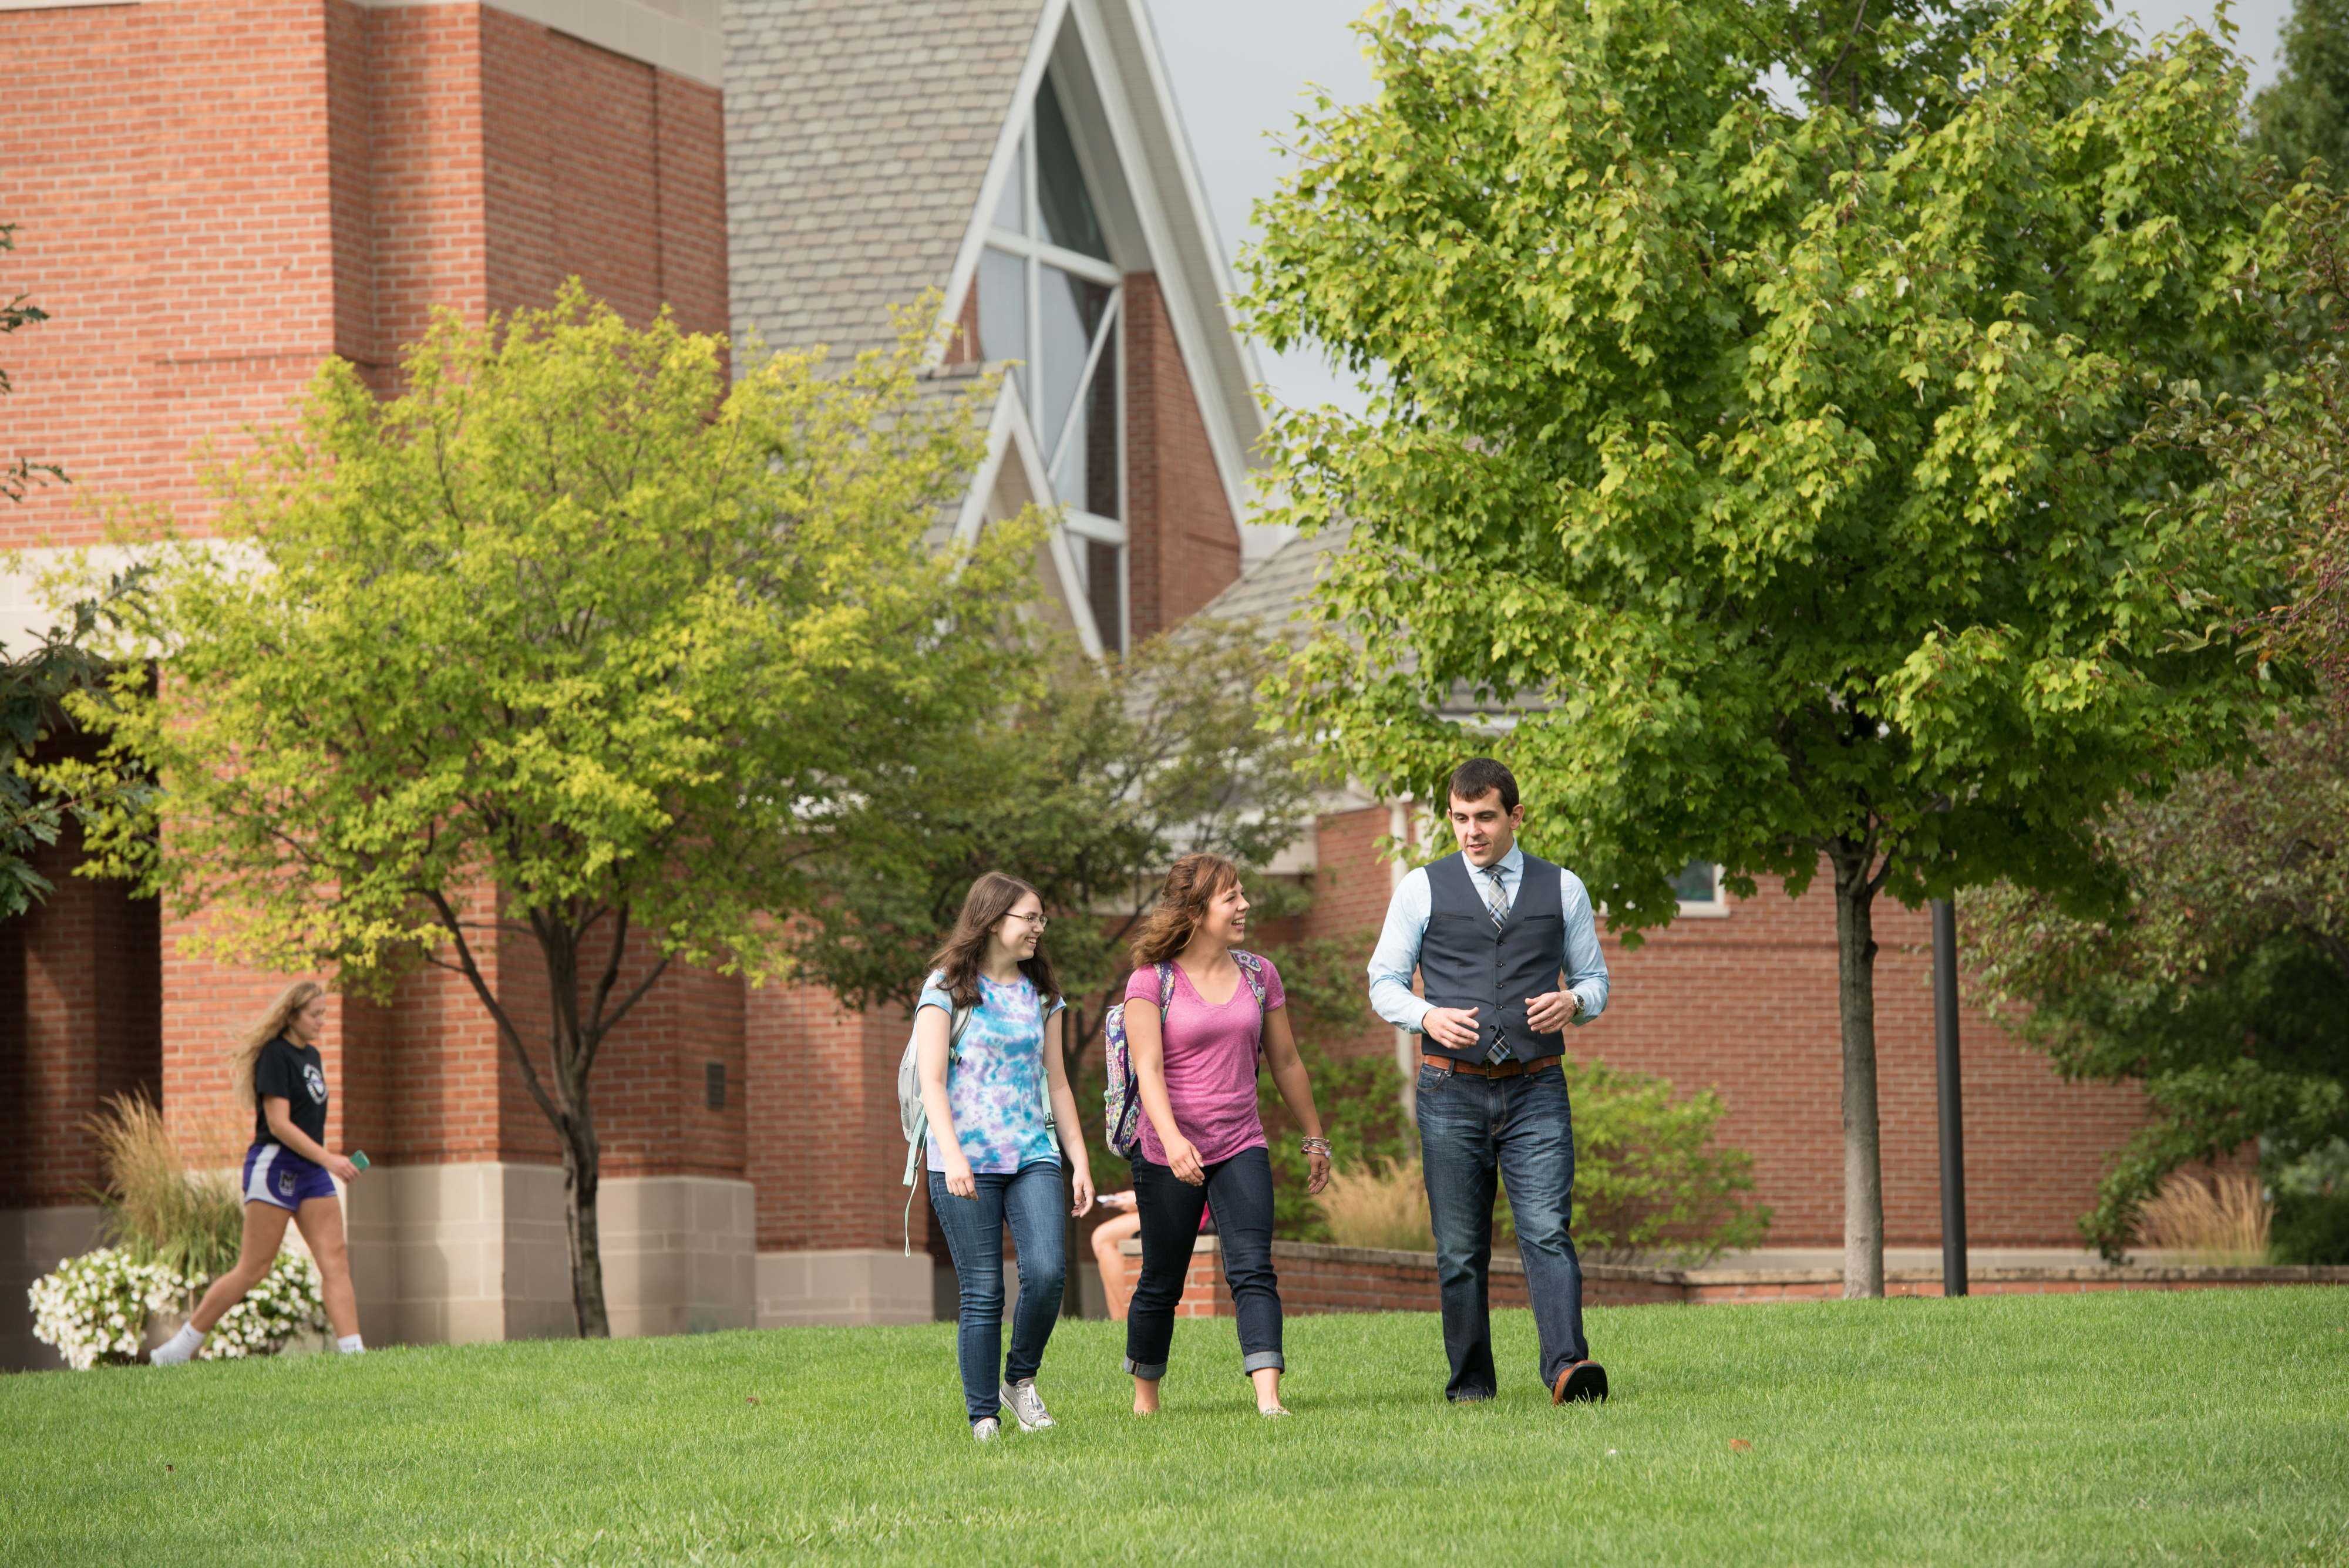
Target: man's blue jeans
{"x":1030,"y":1200}
{"x":1521,"y":1129}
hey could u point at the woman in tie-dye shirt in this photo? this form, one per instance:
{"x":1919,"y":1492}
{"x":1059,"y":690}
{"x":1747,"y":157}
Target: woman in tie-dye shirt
{"x":994,"y":1158}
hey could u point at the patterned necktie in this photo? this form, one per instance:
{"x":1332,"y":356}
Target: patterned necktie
{"x":1496,"y":900}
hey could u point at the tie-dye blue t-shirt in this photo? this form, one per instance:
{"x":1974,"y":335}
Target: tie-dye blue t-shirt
{"x":995,"y":1087}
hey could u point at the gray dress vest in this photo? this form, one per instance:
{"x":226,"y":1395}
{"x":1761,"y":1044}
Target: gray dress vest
{"x":1465,"y":960}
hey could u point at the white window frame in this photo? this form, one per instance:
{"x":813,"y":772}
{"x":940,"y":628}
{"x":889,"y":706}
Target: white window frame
{"x":1036,"y":254}
{"x":1713,"y":909}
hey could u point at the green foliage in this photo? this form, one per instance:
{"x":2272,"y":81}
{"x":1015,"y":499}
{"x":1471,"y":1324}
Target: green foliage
{"x":1650,"y":1181}
{"x":1774,"y":464}
{"x":2303,"y":114}
{"x":2223,"y":985}
{"x":1360,"y":1098}
{"x":33,"y":688}
{"x":1086,"y":784}
{"x":569,"y":641}
{"x":2279,"y":488}
{"x":2311,"y":1220}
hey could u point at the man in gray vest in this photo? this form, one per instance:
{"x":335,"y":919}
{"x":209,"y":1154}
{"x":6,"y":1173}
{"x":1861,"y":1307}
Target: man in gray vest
{"x":1490,"y":930}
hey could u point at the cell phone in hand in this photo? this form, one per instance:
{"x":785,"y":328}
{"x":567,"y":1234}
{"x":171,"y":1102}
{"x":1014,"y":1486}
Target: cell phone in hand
{"x":359,"y":1158}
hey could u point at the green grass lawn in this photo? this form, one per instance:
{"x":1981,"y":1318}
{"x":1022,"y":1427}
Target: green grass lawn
{"x":2192,"y":1427}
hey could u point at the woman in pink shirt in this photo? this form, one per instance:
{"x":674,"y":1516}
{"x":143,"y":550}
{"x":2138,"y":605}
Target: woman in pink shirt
{"x":1201,"y":1136}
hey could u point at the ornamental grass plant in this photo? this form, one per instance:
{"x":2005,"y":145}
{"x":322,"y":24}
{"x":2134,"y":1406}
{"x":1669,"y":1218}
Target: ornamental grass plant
{"x":2219,"y":1224}
{"x":1382,"y":1204}
{"x":161,"y":1206}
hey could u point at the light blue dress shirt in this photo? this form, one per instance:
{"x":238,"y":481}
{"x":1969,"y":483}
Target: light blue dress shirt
{"x":1396,"y":958}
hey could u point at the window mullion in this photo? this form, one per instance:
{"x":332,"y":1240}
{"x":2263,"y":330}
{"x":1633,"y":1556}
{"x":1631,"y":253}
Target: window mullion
{"x":1084,"y":383}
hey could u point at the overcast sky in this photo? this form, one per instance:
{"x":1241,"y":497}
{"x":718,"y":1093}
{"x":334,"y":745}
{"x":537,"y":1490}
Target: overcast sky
{"x":1244,"y":69}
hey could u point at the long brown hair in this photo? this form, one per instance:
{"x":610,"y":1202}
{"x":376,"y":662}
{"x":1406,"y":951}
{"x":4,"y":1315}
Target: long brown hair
{"x":267,"y":1027}
{"x":1196,"y":882}
{"x":983,"y":908}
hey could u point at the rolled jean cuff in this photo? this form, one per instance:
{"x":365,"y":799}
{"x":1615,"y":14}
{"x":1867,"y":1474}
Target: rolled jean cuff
{"x":1262,"y":1359}
{"x":1150,"y":1373}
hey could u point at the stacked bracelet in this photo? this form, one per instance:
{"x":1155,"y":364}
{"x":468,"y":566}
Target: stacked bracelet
{"x":1317,"y":1146}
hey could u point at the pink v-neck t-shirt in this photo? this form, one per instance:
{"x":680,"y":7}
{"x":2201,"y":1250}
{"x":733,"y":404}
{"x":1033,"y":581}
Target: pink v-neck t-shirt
{"x":1211,"y":1063}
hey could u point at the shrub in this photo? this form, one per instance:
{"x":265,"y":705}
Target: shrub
{"x":1381,"y":1207}
{"x":1650,"y":1182}
{"x":2222,"y":1225}
{"x":2309,"y":1224}
{"x":157,"y":1209}
{"x":94,"y":1308}
{"x":285,"y":1302}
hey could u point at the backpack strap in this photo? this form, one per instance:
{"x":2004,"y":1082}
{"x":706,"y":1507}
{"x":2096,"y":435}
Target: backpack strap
{"x":913,"y":1150}
{"x":1252,"y":968}
{"x":1166,"y":995}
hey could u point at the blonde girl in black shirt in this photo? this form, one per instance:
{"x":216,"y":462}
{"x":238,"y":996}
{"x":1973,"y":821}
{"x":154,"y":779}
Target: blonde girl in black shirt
{"x":287,"y":1171}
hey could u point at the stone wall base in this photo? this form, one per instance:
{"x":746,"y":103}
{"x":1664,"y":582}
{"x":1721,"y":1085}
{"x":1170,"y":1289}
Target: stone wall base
{"x":455,"y":1254}
{"x":851,"y":1285}
{"x":32,"y":1244}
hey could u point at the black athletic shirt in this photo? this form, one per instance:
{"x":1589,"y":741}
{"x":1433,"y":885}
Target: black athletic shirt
{"x":296,"y":1075}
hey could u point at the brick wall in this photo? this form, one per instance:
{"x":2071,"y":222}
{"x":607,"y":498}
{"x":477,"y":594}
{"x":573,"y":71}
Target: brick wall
{"x":824,"y":1149}
{"x":80,"y":992}
{"x":1181,"y":547}
{"x":167,"y":165}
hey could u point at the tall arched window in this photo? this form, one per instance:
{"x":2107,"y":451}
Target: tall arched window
{"x":1049,"y":296}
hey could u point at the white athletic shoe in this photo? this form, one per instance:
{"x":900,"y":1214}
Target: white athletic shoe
{"x":1027,"y":1405}
{"x":985,"y":1431}
{"x":181,"y":1347}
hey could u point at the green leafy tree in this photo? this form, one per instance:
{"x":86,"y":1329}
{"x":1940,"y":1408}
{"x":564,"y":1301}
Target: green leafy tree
{"x":2222,"y":986}
{"x":1086,"y":784}
{"x":560,"y":647}
{"x":2303,"y":114}
{"x":1766,"y":466}
{"x":35,"y":687}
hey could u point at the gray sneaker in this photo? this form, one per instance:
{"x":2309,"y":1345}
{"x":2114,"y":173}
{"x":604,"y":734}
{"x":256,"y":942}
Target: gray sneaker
{"x":984,"y":1431}
{"x":1027,"y":1405}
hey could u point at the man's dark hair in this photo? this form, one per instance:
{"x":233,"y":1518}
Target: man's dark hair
{"x":1480,"y":776}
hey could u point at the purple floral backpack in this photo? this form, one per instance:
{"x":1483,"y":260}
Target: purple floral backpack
{"x":1121,"y":1101}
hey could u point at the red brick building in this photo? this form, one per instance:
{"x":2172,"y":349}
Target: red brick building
{"x":214,"y":195}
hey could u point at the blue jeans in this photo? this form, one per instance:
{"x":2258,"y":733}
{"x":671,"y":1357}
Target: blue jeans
{"x":1470,"y":1129}
{"x":1241,"y":1191}
{"x":1030,"y":1200}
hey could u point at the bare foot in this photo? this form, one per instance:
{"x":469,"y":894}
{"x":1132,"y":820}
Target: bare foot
{"x":1145,"y":1396}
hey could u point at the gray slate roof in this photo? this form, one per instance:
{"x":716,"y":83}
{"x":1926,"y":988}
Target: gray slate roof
{"x":857,"y":135}
{"x":1273,"y":594}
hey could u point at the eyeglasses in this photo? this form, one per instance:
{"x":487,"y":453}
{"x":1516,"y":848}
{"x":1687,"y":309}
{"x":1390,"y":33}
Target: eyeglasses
{"x":1041,"y":920}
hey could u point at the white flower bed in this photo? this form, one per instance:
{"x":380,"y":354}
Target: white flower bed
{"x":94,"y":1308}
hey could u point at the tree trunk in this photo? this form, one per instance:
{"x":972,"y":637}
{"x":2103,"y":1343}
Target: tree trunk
{"x":1863,"y":1162}
{"x":582,"y":1167}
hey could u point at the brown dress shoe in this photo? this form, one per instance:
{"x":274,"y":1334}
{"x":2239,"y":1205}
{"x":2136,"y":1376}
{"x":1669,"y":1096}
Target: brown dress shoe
{"x":1581,"y":1380}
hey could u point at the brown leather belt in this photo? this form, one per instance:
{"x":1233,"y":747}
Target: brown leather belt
{"x":1509,"y":1069}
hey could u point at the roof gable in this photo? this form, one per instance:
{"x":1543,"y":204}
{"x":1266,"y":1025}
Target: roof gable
{"x":857,"y":136}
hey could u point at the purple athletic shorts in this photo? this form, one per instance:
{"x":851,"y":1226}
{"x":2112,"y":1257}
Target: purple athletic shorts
{"x":275,"y":1174}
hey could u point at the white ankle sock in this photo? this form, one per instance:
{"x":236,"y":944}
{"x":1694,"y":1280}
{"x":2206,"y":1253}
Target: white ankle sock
{"x":349,"y":1344}
{"x":181,"y":1346}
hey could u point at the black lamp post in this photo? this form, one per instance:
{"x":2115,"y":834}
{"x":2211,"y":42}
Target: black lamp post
{"x":1953,"y":1131}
